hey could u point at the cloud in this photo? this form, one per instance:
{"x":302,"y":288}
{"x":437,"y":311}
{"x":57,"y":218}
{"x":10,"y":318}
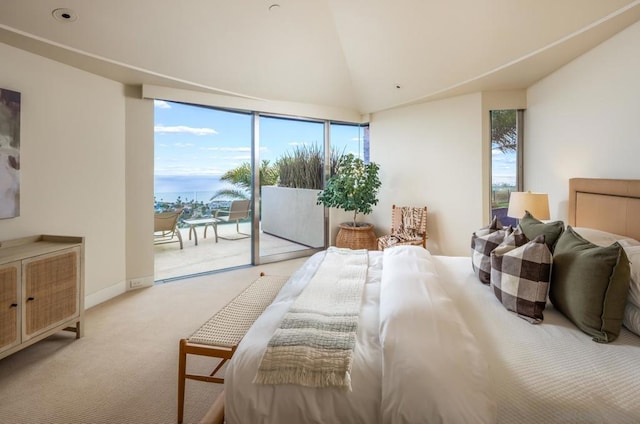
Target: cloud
{"x":161,"y":104}
{"x":177,"y":129}
{"x":508,"y":157}
{"x":228,"y":149}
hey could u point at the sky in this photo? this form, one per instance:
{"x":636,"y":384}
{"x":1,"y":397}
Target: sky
{"x":195,"y":145}
{"x":504,"y":167}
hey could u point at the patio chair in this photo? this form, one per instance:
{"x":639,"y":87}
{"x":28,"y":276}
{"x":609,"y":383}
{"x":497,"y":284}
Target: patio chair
{"x":239,"y":209}
{"x":408,"y":227}
{"x":165,"y":227}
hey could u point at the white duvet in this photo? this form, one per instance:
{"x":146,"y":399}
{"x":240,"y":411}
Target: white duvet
{"x":414,"y":360}
{"x":450,"y":349}
{"x":246,"y":402}
{"x":432,"y":369}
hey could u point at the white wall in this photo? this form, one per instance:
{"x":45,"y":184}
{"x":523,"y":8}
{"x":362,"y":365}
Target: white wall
{"x":139,"y":187}
{"x":72,"y":163}
{"x":584,"y":120}
{"x":431,"y":154}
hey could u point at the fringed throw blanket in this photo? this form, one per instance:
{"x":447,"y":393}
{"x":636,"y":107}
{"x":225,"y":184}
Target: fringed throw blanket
{"x":413,"y":224}
{"x":313,"y":346}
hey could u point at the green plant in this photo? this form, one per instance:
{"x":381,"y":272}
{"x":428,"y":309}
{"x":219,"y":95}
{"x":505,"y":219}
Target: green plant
{"x":241,"y":177}
{"x":304,"y":167}
{"x":354,"y":187}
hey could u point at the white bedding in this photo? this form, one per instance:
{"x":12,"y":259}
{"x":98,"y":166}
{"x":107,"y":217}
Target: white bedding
{"x":551,"y":372}
{"x":547,"y":373}
{"x":246,"y":402}
{"x":432,"y":369}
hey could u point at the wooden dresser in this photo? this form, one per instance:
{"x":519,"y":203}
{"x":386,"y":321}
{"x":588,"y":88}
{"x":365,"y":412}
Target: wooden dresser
{"x":41,"y":289}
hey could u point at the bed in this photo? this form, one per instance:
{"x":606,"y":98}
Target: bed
{"x":434,"y":344}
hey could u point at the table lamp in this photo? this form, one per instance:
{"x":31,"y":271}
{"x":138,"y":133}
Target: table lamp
{"x":536,"y":203}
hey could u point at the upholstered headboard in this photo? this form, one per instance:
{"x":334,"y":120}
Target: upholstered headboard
{"x":605,"y":204}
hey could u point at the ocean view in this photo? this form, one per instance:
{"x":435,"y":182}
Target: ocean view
{"x":185,"y":196}
{"x":189,"y":188}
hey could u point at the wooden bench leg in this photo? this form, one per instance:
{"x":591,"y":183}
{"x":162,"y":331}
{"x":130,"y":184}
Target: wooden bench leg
{"x":182,"y":368}
{"x":202,"y":343}
{"x":223,"y":354}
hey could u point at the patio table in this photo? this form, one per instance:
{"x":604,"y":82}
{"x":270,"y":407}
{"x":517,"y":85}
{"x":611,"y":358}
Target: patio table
{"x":193,"y":223}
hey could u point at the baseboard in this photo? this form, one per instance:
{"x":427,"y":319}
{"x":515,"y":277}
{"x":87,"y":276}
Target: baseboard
{"x":104,"y":295}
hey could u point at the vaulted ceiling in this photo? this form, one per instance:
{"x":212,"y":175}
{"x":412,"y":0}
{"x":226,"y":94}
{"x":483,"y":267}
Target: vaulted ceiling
{"x":361,"y":55}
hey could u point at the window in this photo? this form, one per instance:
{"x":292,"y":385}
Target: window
{"x":194,"y":147}
{"x":206,"y":157}
{"x":350,"y":138}
{"x":289,"y":210}
{"x":506,"y":160}
{"x":202,"y":160}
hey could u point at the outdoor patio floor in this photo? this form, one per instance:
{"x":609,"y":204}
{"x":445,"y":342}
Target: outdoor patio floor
{"x":173,"y":262}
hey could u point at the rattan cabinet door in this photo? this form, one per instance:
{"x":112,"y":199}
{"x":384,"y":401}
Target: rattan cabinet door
{"x":51,"y":290}
{"x":9,"y":305}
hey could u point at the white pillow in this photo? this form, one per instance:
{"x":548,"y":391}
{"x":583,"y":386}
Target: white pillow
{"x":632,"y":318}
{"x":603,"y":238}
{"x":633,"y":254}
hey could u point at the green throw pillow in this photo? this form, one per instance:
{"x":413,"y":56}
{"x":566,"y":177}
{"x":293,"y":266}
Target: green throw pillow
{"x":532,"y":228}
{"x":590,"y":284}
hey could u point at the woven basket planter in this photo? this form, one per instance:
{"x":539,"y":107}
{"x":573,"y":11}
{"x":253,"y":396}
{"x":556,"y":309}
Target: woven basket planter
{"x":357,"y":237}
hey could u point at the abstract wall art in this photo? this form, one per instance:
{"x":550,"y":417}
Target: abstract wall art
{"x":9,"y":153}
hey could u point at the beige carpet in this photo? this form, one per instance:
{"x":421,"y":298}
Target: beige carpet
{"x":125,"y":368}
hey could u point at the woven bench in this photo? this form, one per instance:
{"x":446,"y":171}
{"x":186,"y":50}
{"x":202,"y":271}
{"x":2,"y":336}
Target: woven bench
{"x":220,"y":335}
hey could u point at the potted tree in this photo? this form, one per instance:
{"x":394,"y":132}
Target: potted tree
{"x":354,"y":187}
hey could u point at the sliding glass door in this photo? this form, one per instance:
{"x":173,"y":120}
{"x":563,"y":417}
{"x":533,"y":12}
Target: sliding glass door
{"x":291,"y":222}
{"x":246,"y":183}
{"x":203,"y":168}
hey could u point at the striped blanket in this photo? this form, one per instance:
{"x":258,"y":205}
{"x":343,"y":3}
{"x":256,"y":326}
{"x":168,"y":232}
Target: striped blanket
{"x":313,"y":346}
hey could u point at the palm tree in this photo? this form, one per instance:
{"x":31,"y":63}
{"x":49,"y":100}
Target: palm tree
{"x":241,"y":177}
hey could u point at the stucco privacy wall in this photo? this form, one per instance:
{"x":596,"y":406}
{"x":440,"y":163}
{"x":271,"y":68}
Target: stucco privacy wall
{"x":431,"y":154}
{"x":583,"y":120}
{"x":72,"y":163}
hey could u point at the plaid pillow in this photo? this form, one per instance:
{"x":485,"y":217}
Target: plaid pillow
{"x":513,"y":238}
{"x":494,"y":225}
{"x":483,"y":242}
{"x":520,"y":278}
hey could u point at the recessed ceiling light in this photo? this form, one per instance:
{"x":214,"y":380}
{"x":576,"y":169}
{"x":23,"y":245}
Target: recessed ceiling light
{"x":274,"y":7}
{"x":65,"y":15}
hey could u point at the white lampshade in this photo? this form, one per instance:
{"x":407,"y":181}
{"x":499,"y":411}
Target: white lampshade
{"x":536,"y":203}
